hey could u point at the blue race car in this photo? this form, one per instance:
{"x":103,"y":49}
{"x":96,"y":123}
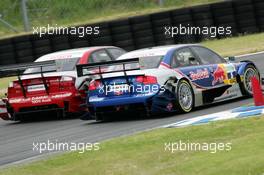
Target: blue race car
{"x":165,"y":79}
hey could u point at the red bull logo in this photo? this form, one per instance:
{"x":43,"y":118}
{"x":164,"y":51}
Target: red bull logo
{"x":219,"y":75}
{"x":200,"y":74}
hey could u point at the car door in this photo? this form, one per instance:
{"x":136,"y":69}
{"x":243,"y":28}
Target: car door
{"x":221,"y":72}
{"x":189,"y":64}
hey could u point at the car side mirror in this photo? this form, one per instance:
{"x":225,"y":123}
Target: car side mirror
{"x":231,"y":58}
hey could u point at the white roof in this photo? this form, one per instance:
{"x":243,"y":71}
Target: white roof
{"x":152,"y":51}
{"x":69,"y":53}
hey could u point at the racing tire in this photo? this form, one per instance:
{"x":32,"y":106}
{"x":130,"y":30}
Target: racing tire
{"x":184,"y":96}
{"x":161,"y":22}
{"x":42,"y":50}
{"x":6,"y":48}
{"x":140,"y":19}
{"x":245,"y":85}
{"x":141,"y":26}
{"x":23,"y":45}
{"x":142,"y":33}
{"x":121,"y":37}
{"x":81,"y":43}
{"x":41,"y":43}
{"x":218,"y":13}
{"x":182,"y":18}
{"x":118,"y":30}
{"x":182,"y":11}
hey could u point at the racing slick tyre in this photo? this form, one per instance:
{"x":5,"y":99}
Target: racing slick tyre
{"x":184,"y":96}
{"x":245,"y":85}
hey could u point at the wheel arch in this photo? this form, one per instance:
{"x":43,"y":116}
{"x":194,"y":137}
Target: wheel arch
{"x":192,"y":91}
{"x":242,"y":67}
{"x":189,"y":81}
{"x":177,"y":80}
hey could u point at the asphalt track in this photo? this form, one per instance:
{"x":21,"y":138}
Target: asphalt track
{"x":16,"y":139}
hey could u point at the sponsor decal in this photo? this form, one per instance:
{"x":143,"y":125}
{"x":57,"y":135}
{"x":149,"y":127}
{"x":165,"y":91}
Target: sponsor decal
{"x":61,"y":95}
{"x":34,"y":88}
{"x":200,"y":74}
{"x":219,"y":75}
{"x":96,"y":99}
{"x":224,"y":73}
{"x":19,"y":100}
{"x":39,"y":99}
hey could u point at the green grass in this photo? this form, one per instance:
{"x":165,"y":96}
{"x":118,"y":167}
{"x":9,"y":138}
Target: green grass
{"x":4,"y":84}
{"x":237,"y":45}
{"x":68,"y":12}
{"x":5,"y":81}
{"x":144,"y":153}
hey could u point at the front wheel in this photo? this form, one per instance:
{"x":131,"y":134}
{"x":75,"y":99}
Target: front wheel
{"x":245,"y":85}
{"x":185,"y":97}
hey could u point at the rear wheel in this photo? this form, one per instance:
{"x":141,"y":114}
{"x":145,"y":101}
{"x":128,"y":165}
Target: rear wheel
{"x":185,"y":97}
{"x":245,"y":85}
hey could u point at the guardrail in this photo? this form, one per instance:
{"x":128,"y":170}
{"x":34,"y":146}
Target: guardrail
{"x":244,"y":16}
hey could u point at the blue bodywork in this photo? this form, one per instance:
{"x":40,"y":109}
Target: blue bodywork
{"x":201,"y":76}
{"x":137,"y":94}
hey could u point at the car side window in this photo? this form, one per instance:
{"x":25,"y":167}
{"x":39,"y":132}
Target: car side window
{"x":99,"y":56}
{"x":207,"y":56}
{"x":184,"y":57}
{"x":115,"y":52}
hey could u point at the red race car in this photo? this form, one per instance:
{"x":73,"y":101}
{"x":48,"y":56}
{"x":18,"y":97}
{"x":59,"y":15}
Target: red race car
{"x":51,"y":83}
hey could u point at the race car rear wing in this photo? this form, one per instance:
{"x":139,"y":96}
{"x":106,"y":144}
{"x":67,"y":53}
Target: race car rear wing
{"x":108,"y":67}
{"x":19,"y":70}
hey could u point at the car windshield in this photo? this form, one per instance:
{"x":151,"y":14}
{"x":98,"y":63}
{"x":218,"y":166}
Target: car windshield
{"x":61,"y":65}
{"x":149,"y":62}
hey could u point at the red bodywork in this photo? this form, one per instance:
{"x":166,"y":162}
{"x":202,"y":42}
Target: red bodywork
{"x":61,"y":94}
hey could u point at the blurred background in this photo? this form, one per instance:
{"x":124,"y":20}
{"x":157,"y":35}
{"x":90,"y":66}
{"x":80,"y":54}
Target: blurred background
{"x":18,"y":16}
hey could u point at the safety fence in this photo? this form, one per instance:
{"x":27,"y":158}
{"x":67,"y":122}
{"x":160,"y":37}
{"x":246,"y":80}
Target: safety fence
{"x":243,"y":16}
